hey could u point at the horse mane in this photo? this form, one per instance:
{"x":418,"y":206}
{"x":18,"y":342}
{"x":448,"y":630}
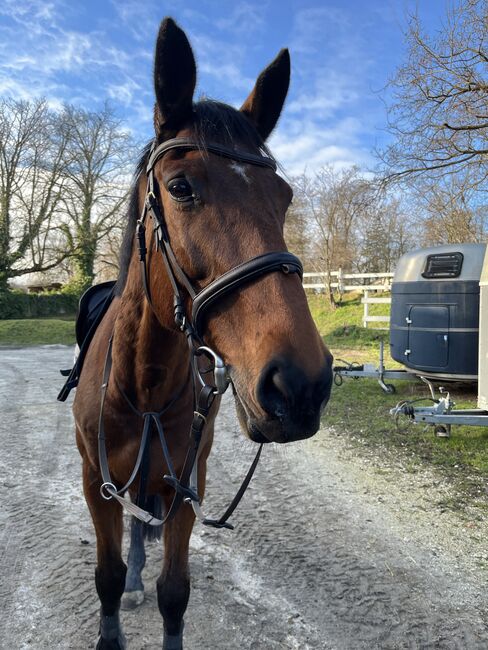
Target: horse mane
{"x":213,"y":121}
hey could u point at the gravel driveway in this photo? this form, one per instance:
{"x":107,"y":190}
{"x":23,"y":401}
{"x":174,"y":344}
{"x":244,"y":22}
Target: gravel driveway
{"x":330,"y":551}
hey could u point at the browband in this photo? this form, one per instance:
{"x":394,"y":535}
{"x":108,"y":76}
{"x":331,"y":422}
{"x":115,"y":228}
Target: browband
{"x":213,"y":147}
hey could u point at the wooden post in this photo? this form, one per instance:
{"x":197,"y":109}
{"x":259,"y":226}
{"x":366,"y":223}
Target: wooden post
{"x":340,"y":284}
{"x":366,"y":313}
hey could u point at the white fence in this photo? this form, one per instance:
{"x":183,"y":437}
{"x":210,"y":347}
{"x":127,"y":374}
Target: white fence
{"x":366,"y":301}
{"x":343,"y":282}
{"x":383,"y":281}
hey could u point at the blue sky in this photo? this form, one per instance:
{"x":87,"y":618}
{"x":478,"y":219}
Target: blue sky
{"x":342,"y":55}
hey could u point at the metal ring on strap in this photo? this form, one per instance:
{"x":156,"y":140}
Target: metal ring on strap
{"x":104,"y":490}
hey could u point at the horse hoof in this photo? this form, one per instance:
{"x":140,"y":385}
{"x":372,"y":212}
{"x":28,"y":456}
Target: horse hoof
{"x":131,"y":599}
{"x":173,"y":641}
{"x":111,"y":634}
{"x":112,"y":644}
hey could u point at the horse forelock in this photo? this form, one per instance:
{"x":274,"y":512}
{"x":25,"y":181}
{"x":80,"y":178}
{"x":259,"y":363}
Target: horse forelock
{"x":221,"y":123}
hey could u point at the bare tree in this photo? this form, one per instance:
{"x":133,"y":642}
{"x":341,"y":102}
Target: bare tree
{"x":298,"y":234}
{"x":31,"y":184}
{"x":98,"y":161}
{"x":107,"y":261}
{"x":386,"y":231}
{"x":332,"y":203}
{"x":439,"y":114}
{"x":451,"y":210}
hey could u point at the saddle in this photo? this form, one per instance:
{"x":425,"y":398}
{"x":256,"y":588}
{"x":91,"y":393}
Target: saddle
{"x":92,"y":308}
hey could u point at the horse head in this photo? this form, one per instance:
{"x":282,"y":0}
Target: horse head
{"x":220,"y":211}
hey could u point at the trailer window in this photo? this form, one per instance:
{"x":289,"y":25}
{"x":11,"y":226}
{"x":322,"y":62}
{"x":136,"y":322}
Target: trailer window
{"x":443,"y":265}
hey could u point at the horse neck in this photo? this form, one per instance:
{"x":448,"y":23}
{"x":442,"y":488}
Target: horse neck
{"x":150,"y":358}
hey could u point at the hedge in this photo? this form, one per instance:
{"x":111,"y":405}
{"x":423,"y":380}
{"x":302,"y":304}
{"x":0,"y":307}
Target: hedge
{"x":16,"y":304}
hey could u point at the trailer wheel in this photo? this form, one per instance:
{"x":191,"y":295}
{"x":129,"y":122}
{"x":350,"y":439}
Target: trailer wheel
{"x":442,"y":431}
{"x":389,"y":389}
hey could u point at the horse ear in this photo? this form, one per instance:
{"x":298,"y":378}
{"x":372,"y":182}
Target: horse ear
{"x":175,"y":76}
{"x":264,"y":104}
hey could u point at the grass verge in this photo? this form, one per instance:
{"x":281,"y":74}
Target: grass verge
{"x":37,"y":332}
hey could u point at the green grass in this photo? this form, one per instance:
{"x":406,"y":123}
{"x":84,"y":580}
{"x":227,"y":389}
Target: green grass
{"x":360,"y":406}
{"x":37,"y":332}
{"x":343,"y":332}
{"x":360,"y":410}
{"x":343,"y":326}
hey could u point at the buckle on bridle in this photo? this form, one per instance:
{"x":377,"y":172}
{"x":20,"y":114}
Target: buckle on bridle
{"x":220,"y":372}
{"x":186,"y":492}
{"x":179,"y":313}
{"x":150,"y":196}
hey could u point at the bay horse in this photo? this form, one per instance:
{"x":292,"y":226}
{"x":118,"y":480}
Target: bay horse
{"x":207,"y":296}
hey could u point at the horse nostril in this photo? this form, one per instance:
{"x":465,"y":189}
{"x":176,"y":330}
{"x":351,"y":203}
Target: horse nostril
{"x":274,"y":392}
{"x":286,"y":393}
{"x":280,"y":383}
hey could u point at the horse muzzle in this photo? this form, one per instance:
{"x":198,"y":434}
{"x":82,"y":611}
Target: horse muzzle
{"x":289,"y":404}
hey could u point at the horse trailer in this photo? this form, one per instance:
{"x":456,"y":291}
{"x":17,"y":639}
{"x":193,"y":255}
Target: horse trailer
{"x":443,"y":414}
{"x":434,"y":321}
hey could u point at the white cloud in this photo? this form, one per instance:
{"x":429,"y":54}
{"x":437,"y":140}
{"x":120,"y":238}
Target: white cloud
{"x":124,"y":91}
{"x":331,"y":90}
{"x":329,"y":117}
{"x":41,"y":54}
{"x":306,"y":146}
{"x":29,"y":11}
{"x":246,"y":18}
{"x":140,"y":20}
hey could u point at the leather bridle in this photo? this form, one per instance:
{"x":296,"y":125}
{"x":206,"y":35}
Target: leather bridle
{"x":229,"y":281}
{"x":192,"y":325}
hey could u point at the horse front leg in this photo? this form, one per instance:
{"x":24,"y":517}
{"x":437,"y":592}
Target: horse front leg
{"x":111,"y":570}
{"x":173,"y":585}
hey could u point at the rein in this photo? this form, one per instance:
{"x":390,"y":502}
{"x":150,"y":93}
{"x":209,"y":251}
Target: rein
{"x":186,"y":485}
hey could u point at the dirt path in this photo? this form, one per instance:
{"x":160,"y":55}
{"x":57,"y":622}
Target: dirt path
{"x":329,"y":552}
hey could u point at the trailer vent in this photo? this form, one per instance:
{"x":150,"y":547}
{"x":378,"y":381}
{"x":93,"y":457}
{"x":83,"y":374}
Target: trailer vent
{"x":443,"y":265}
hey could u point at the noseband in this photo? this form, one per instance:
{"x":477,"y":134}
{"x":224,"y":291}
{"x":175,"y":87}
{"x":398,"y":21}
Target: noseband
{"x":192,"y":325}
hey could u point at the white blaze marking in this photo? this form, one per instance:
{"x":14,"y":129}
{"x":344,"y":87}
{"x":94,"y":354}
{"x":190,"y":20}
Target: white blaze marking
{"x":240,"y":170}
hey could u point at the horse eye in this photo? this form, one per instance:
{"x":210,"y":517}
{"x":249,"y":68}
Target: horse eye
{"x":180,"y":189}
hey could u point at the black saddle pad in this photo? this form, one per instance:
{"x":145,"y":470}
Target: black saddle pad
{"x":92,"y":308}
{"x":93,"y":305}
